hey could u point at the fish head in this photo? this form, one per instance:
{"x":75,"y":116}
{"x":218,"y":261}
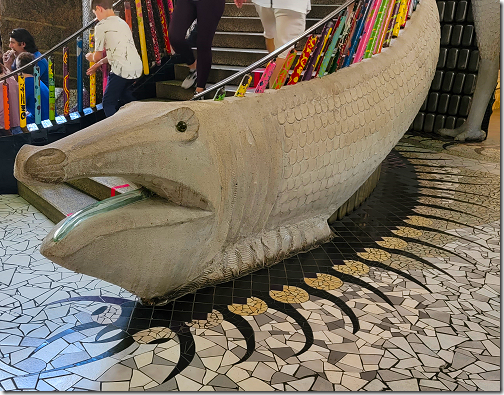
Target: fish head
{"x":155,"y":240}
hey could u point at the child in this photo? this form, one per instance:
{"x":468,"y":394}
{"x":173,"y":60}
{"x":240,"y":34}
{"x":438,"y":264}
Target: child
{"x":114,"y":35}
{"x":23,"y":59}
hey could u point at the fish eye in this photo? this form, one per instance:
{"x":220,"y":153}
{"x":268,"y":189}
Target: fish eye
{"x":181,"y":126}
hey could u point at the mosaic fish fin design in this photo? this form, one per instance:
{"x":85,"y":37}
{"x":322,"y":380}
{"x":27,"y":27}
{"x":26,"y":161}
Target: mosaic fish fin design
{"x":396,"y":271}
{"x":338,"y":302}
{"x":430,"y":245}
{"x":292,"y":312}
{"x":357,"y":281}
{"x":187,"y":352}
{"x":245,"y":329}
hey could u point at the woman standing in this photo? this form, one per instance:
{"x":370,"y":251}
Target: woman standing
{"x":282,"y":20}
{"x":207,"y":13}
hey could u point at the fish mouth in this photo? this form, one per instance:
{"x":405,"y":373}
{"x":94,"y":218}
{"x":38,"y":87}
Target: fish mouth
{"x":140,"y":208}
{"x":138,"y":240}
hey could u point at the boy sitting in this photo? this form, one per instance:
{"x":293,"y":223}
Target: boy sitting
{"x":114,"y":35}
{"x":23,"y":59}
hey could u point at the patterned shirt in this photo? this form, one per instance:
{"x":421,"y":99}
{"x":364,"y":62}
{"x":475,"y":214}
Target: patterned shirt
{"x":114,"y":35}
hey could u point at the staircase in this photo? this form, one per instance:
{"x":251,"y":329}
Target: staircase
{"x":238,"y":43}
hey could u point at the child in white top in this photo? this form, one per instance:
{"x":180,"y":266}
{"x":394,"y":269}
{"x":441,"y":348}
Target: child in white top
{"x":114,"y":35}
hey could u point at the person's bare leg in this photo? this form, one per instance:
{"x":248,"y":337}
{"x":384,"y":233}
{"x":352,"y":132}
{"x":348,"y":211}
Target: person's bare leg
{"x":193,"y":66}
{"x":470,"y":130}
{"x":270,"y":44}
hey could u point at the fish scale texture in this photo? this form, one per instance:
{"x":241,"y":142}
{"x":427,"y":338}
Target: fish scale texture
{"x":334,"y":131}
{"x":333,"y":125}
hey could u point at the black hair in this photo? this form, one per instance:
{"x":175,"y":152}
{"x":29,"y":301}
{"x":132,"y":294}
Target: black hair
{"x":23,"y":36}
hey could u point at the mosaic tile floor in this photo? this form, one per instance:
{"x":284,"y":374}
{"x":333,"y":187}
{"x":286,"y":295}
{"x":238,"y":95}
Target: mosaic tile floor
{"x":405,"y":297}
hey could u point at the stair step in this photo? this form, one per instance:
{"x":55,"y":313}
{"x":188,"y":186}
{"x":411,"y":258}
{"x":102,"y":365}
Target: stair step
{"x":238,"y":43}
{"x":244,"y":40}
{"x":55,"y":201}
{"x":102,"y":188}
{"x":173,"y":91}
{"x":217,"y":73}
{"x":249,"y":40}
{"x":248,"y":9}
{"x":248,"y":24}
{"x":237,"y":56}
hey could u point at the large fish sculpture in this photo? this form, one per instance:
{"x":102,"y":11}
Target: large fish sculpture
{"x":231,"y":187}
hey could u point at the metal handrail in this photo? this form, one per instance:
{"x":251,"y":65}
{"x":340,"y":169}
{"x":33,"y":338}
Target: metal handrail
{"x":57,"y":46}
{"x":277,"y":51}
{"x":212,"y":87}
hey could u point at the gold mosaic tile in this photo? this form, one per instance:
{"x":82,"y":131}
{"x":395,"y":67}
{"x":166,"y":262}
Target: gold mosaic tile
{"x":392,"y":242}
{"x":324,"y":281}
{"x":148,"y":335}
{"x":405,"y":231}
{"x":418,"y":221}
{"x":374,"y":254}
{"x":290,"y":294}
{"x":213,"y":319}
{"x":407,"y":264}
{"x":254,"y":306}
{"x":352,"y":267}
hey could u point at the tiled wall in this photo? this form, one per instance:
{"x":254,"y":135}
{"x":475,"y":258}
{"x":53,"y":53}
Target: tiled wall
{"x":449,"y":100}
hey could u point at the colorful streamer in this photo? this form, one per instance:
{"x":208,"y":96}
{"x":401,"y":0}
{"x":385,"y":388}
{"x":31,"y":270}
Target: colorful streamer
{"x":152,"y":25}
{"x":164,"y":25}
{"x":347,"y":37}
{"x":263,"y":82}
{"x":127,"y":14}
{"x":66,"y":76}
{"x":308,"y":74}
{"x":244,"y":84}
{"x":22,"y":100}
{"x":400,"y":16}
{"x":368,"y":30}
{"x":6,"y":108}
{"x":386,"y":22}
{"x":92,"y":77}
{"x":284,"y":72}
{"x":52,"y":96}
{"x":377,"y":26}
{"x":105,"y":72}
{"x":355,"y":35}
{"x":141,"y":34}
{"x":38,"y":102}
{"x":303,"y":59}
{"x":392,"y":23}
{"x":80,"y":86}
{"x":332,"y":46}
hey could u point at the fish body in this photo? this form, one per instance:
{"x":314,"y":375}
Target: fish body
{"x":238,"y":184}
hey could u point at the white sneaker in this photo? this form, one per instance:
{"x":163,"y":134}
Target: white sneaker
{"x":190,"y":80}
